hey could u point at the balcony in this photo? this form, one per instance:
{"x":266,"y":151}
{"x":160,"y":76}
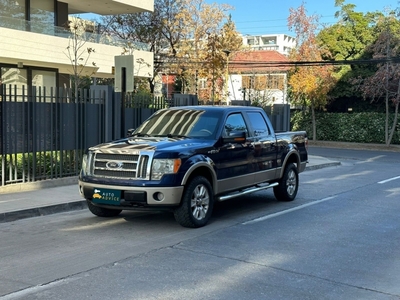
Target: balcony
{"x":42,"y":45}
{"x":51,"y":30}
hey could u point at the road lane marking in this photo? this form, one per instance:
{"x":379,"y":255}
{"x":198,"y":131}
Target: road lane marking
{"x":390,"y":179}
{"x":287,"y":211}
{"x":372,"y":159}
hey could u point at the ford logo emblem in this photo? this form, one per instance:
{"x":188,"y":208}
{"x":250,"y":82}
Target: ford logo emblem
{"x":114,"y":165}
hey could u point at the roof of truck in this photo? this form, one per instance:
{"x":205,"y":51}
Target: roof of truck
{"x":218,"y":107}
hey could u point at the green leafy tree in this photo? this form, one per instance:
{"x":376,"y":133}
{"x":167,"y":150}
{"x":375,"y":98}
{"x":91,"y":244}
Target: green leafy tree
{"x":348,"y":40}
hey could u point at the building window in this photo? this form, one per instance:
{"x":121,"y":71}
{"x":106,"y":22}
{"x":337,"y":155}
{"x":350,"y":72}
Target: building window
{"x":14,"y":76}
{"x":203,"y":83}
{"x":42,"y":16}
{"x":46,"y":80}
{"x":12,"y":14}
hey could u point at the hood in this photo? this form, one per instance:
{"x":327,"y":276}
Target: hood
{"x":155,"y":143}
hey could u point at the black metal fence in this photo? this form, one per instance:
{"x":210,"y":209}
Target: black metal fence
{"x":44,"y":132}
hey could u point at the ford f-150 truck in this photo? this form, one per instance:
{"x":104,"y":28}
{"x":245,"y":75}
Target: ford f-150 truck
{"x":184,"y":159}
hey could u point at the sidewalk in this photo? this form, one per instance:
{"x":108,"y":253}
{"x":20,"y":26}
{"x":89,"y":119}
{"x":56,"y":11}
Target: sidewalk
{"x":55,"y":196}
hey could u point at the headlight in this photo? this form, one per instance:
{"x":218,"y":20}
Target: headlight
{"x":86,"y":162}
{"x":164,"y":166}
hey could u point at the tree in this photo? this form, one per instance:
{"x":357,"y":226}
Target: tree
{"x":177,"y":33}
{"x":152,"y":29}
{"x":230,"y":42}
{"x":79,"y":54}
{"x":309,"y":85}
{"x":385,"y":82}
{"x":348,"y":40}
{"x":201,"y":31}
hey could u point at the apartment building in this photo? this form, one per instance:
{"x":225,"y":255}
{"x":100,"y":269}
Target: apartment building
{"x":35,"y":36}
{"x":277,"y":42}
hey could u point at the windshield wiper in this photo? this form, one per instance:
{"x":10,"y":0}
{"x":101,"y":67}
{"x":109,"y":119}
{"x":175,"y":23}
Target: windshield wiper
{"x":177,"y":135}
{"x":140,"y":135}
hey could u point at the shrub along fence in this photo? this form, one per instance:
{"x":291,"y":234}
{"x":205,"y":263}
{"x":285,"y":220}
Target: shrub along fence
{"x":365,"y":127}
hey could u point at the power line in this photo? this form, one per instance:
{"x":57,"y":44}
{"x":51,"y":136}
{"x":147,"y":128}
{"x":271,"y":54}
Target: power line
{"x":255,"y":64}
{"x":274,"y":20}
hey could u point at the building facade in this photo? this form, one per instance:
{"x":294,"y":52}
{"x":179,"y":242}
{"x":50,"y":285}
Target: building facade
{"x":276,"y":42}
{"x":258,"y":76}
{"x":36,"y":36}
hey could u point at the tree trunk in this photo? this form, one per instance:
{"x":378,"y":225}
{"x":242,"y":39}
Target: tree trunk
{"x":314,"y":126}
{"x":151,"y":85}
{"x":387,"y":116}
{"x":396,"y":112}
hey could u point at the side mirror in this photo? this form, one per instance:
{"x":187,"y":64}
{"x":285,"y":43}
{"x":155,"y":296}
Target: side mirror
{"x":235,"y":137}
{"x":130,"y":132}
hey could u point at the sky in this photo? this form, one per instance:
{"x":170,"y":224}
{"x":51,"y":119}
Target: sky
{"x":257,"y":17}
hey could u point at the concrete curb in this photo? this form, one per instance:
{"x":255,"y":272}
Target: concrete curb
{"x":37,"y":185}
{"x":355,"y":146}
{"x":42,"y":211}
{"x":325,"y":165}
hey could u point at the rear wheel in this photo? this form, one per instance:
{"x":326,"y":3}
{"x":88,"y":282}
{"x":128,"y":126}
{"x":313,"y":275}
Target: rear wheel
{"x":196,"y":205}
{"x":288,"y":184}
{"x":101,"y":211}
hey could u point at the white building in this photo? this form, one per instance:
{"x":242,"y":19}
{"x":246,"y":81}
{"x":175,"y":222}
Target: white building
{"x":35,"y":35}
{"x":277,"y":42}
{"x":259,"y":75}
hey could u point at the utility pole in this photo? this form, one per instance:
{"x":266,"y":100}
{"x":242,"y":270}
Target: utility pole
{"x":227,"y":52}
{"x":213,"y":69}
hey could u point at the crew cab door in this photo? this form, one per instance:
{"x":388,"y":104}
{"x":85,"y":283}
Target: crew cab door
{"x":235,"y":155}
{"x":263,"y":143}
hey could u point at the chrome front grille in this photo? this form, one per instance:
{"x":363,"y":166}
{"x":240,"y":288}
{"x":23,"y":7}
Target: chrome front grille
{"x":117,"y":165}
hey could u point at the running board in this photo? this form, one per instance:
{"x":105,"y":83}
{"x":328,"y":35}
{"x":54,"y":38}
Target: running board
{"x":248,"y":191}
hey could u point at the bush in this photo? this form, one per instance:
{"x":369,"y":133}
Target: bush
{"x":365,"y":127}
{"x":24,"y":167}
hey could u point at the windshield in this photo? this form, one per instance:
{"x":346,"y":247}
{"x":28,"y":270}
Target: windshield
{"x":189,"y":123}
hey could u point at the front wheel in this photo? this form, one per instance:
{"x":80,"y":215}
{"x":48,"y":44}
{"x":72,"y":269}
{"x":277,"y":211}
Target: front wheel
{"x":196,"y":205}
{"x":101,"y":211}
{"x":288,"y":184}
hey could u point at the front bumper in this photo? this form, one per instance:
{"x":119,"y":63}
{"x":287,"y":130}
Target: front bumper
{"x":142,"y":196}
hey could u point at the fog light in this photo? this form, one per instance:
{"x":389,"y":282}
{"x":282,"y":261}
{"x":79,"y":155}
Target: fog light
{"x":158,"y":196}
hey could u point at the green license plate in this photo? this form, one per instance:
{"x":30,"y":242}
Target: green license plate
{"x":106,"y":196}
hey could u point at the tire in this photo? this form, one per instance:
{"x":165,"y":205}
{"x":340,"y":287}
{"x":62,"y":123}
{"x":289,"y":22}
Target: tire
{"x":197,"y":204}
{"x":101,"y":211}
{"x":288,"y":184}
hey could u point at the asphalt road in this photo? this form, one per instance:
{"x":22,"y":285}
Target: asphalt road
{"x":340,"y":239}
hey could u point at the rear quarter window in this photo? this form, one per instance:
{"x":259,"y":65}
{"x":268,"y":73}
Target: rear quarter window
{"x":258,"y":124}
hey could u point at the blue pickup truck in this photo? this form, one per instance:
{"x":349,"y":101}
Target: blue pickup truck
{"x":184,"y":159}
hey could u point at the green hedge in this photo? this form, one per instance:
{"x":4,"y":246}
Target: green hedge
{"x":366,"y":127}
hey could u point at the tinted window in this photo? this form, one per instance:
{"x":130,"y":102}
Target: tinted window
{"x":234,"y":122}
{"x":258,"y":123}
